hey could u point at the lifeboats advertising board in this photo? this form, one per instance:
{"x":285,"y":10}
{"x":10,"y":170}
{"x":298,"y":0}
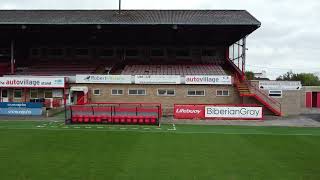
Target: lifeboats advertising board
{"x":104,"y":79}
{"x":280,"y":85}
{"x":221,"y":112}
{"x":233,"y":112}
{"x":203,"y":79}
{"x":157,"y":79}
{"x":189,"y":111}
{"x":32,"y":82}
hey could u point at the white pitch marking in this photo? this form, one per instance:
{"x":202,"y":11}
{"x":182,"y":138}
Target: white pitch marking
{"x":100,"y":127}
{"x":76,"y":127}
{"x":146,"y":128}
{"x":134,"y":128}
{"x":88,"y":127}
{"x":65,"y":127}
{"x":123,"y":128}
{"x":158,"y":128}
{"x":40,"y":126}
{"x":53,"y":126}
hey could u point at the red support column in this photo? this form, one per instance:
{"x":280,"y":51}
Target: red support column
{"x":25,"y":94}
{"x":309,"y":99}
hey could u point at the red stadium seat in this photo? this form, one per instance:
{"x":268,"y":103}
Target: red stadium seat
{"x":92,"y":118}
{"x":141,"y":119}
{"x":80,"y":118}
{"x":122,"y":119}
{"x":116,"y":119}
{"x":98,"y":119}
{"x":147,"y":120}
{"x":86,"y":118}
{"x":74,"y":118}
{"x":134,"y":120}
{"x":128,"y":119}
{"x":153,"y":119}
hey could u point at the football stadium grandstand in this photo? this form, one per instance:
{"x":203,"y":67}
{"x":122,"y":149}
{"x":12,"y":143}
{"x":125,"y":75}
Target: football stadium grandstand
{"x":130,"y":66}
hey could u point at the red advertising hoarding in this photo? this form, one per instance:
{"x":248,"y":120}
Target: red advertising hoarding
{"x":189,"y":111}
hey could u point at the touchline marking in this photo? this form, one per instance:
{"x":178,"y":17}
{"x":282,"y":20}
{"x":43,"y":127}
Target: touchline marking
{"x":99,"y":127}
{"x":146,"y":128}
{"x":123,"y":128}
{"x":176,"y":132}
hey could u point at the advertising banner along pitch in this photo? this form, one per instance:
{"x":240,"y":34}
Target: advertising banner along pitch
{"x":230,"y":112}
{"x":189,"y":111}
{"x":32,"y":82}
{"x":20,"y":109}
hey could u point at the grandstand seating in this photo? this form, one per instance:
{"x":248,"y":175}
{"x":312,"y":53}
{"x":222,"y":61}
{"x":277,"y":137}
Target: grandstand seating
{"x":202,"y":69}
{"x":4,"y":68}
{"x":60,"y":68}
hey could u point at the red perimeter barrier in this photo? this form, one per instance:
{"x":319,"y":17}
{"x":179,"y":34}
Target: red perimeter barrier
{"x":218,"y":111}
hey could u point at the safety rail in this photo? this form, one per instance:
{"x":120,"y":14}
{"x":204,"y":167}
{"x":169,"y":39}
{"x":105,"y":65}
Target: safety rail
{"x":262,"y":96}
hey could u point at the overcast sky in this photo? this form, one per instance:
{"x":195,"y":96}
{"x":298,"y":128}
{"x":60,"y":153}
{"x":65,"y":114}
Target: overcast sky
{"x":289,"y":38}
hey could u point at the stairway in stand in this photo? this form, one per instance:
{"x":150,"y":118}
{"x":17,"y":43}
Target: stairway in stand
{"x":246,"y":89}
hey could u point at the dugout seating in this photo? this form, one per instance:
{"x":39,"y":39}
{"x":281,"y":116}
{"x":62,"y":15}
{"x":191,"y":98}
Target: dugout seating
{"x":202,"y":69}
{"x":114,"y":115}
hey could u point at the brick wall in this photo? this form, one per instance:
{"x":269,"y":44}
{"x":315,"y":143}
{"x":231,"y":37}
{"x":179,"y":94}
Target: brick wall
{"x":166,"y":101}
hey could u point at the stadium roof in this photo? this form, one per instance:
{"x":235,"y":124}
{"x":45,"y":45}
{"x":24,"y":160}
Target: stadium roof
{"x":134,"y":17}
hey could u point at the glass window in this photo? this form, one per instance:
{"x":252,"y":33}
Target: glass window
{"x":35,"y":52}
{"x":117,"y":92}
{"x":56,"y":52}
{"x":208,"y":52}
{"x":82,"y":52}
{"x":137,"y":92}
{"x":48,"y":93}
{"x":132,"y":52}
{"x":222,"y":93}
{"x":182,"y":52}
{"x":196,"y":93}
{"x":96,"y":92}
{"x":106,"y":52}
{"x":166,"y":92}
{"x":17,"y":93}
{"x":275,"y":93}
{"x":157,"y":52}
{"x":33,"y":93}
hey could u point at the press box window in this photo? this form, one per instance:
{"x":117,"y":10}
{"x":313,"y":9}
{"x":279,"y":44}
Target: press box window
{"x":96,"y":92}
{"x":222,"y":93}
{"x":196,"y":93}
{"x":116,"y":91}
{"x":275,"y":93}
{"x":132,"y":52}
{"x":48,"y":94}
{"x":17,"y":94}
{"x":140,"y":92}
{"x":166,"y":92}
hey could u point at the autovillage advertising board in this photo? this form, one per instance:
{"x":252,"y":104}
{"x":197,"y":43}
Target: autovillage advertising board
{"x":207,"y":79}
{"x":157,"y":79}
{"x":235,"y":112}
{"x":32,"y":82}
{"x":20,"y":109}
{"x":280,"y":85}
{"x":104,"y":79}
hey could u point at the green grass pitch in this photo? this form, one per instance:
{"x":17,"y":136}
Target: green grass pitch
{"x":45,"y":151}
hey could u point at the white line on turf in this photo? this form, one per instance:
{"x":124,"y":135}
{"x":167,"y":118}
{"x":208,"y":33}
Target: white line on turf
{"x":123,"y":128}
{"x":88,"y":127}
{"x":146,"y":128}
{"x":134,"y":128}
{"x":176,"y":132}
{"x":100,"y":127}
